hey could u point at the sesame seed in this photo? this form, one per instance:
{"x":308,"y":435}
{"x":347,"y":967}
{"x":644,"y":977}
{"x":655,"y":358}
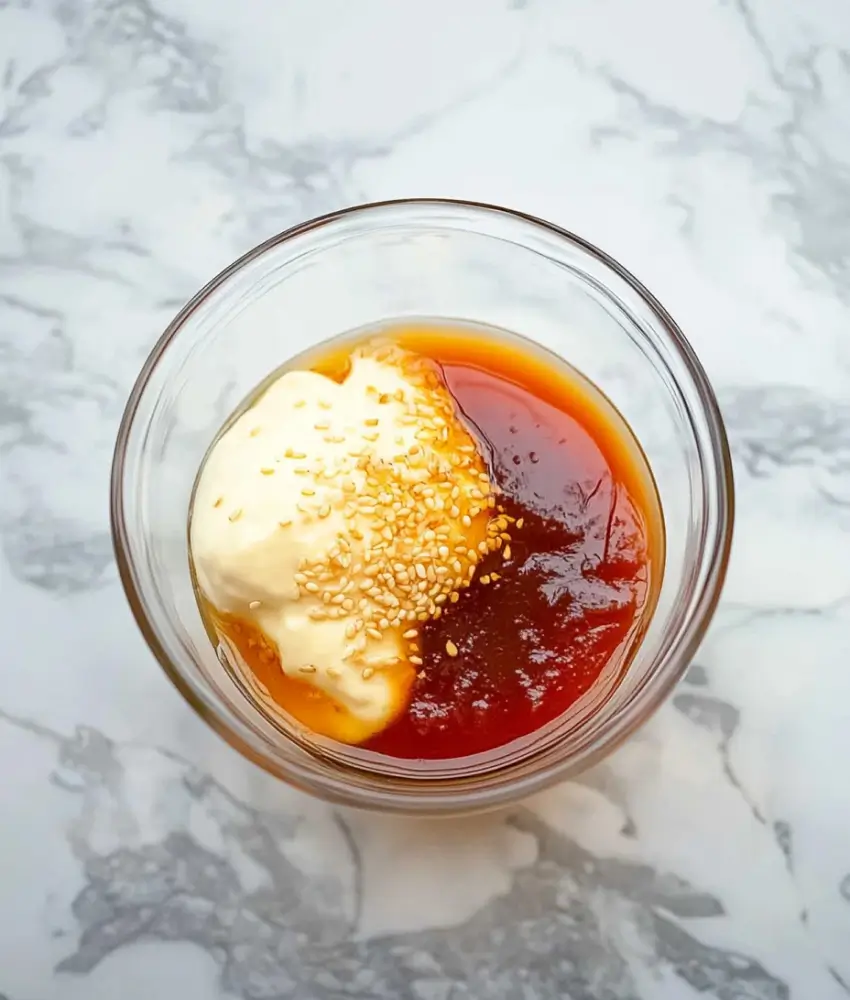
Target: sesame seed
{"x":520,"y":522}
{"x":368,"y":672}
{"x":235,"y":515}
{"x":506,"y":554}
{"x":451,"y":648}
{"x":253,"y":605}
{"x":308,"y":668}
{"x":416,"y":660}
{"x":219,"y":502}
{"x":266,"y":471}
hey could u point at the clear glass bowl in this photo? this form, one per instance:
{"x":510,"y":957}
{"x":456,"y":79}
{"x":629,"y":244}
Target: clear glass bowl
{"x":438,"y":259}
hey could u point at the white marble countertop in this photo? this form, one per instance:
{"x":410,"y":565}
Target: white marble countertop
{"x":146,"y":143}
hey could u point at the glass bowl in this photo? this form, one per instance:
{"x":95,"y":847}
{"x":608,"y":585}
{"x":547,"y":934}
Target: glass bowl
{"x":442,"y":260}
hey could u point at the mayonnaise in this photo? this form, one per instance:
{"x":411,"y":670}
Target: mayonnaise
{"x":338,"y":517}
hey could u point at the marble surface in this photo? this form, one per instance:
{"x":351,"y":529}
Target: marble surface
{"x":143,"y":145}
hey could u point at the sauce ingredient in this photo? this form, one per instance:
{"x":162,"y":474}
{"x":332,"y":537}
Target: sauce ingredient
{"x":573,"y":589}
{"x":333,"y":518}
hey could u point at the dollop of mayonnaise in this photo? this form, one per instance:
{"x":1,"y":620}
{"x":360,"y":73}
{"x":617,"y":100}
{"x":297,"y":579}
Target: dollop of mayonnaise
{"x":338,"y":517}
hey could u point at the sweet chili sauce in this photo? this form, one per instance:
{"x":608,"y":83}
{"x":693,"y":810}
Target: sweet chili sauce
{"x":568,"y":597}
{"x":584,"y":563}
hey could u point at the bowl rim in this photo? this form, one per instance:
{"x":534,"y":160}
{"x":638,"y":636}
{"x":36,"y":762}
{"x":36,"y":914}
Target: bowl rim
{"x":718,"y":547}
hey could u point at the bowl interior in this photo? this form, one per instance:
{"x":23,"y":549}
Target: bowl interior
{"x":442,"y":261}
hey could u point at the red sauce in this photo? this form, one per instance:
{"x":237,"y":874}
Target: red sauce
{"x":584,"y":566}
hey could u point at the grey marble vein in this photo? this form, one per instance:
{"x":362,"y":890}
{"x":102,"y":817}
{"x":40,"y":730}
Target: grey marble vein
{"x":786,"y":135}
{"x":772,"y":427}
{"x":722,"y":720}
{"x":295,"y":937}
